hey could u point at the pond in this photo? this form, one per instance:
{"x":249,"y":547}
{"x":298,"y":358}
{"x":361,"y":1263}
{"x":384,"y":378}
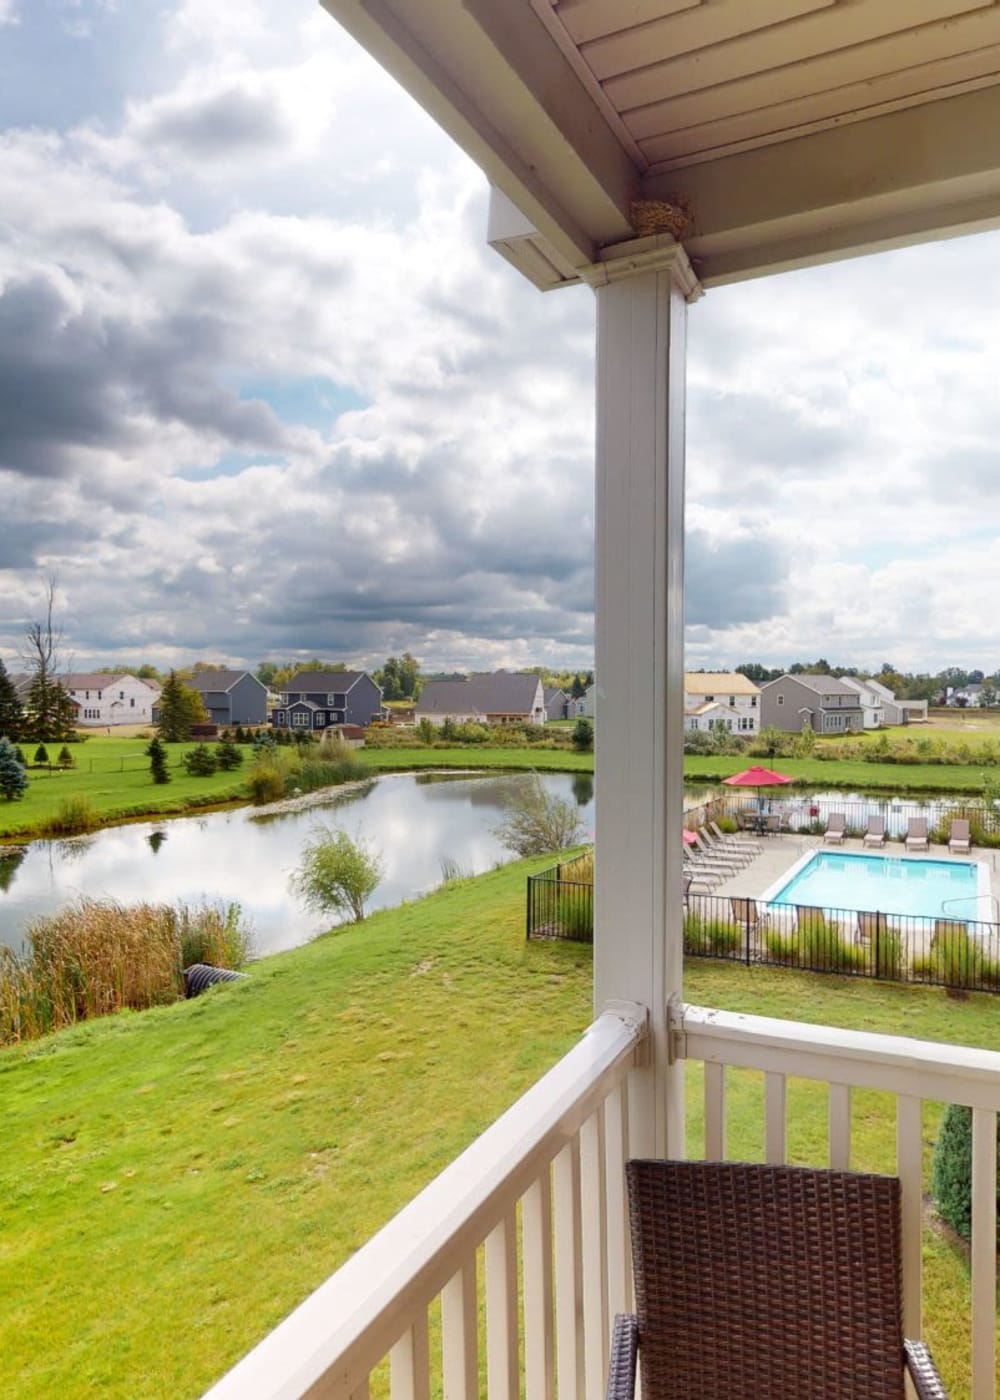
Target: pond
{"x":417,"y":823}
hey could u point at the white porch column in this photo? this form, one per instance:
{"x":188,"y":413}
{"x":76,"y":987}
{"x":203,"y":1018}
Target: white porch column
{"x":642,"y":292}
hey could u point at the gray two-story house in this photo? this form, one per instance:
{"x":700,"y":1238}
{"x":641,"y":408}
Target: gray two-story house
{"x":821,"y":703}
{"x":318,"y":699}
{"x":231,"y":697}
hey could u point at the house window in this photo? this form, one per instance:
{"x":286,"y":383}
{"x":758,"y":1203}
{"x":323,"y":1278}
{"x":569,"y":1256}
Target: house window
{"x":86,"y":695}
{"x":753,"y":702}
{"x":780,"y":699}
{"x":121,"y":695}
{"x":732,"y":699}
{"x":709,"y":699}
{"x":331,"y":699}
{"x":301,"y":719}
{"x":320,"y":720}
{"x":131,"y":703}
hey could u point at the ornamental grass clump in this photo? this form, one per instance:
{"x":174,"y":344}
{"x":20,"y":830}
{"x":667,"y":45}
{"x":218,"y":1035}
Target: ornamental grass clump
{"x":74,"y":816}
{"x":98,"y":956}
{"x":708,"y":935}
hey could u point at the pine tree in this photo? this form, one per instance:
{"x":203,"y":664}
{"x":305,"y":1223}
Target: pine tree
{"x":180,"y":707}
{"x":200,"y":762}
{"x":227,"y":755}
{"x":11,"y":713}
{"x":41,"y":754}
{"x":13,"y":779}
{"x":66,"y":759}
{"x":158,"y":761}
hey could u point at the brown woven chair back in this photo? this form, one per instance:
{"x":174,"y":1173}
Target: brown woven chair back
{"x":766,"y":1283}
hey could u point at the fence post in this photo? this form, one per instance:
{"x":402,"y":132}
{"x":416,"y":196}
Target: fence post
{"x":527,"y":912}
{"x":878,"y":937}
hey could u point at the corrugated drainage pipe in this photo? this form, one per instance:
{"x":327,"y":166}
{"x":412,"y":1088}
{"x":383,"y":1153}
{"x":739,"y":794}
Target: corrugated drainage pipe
{"x":201,"y":975}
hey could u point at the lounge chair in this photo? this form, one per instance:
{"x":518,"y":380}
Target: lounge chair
{"x":746,"y":913}
{"x":699,"y":854}
{"x":722,"y":849}
{"x":871,"y":926}
{"x":734,"y":841}
{"x":875,"y":833}
{"x":836,"y":829}
{"x":747,"y":1283}
{"x":707,"y":879}
{"x":916,"y":834}
{"x":960,"y":838}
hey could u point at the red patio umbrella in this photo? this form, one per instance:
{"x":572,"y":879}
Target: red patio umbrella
{"x":689,"y":837}
{"x":757,"y":778}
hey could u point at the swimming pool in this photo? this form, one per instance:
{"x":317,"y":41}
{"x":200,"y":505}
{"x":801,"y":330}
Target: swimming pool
{"x":889,"y":884}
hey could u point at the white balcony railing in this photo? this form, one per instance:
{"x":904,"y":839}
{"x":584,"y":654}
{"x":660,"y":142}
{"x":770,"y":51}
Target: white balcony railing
{"x":503,"y":1275}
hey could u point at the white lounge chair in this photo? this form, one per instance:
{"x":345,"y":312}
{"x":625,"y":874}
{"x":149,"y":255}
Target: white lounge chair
{"x":835,"y":829}
{"x":960,"y":839}
{"x":916,"y":834}
{"x":875,"y":834}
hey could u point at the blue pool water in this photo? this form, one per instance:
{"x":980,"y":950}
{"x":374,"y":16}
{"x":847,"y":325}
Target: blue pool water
{"x":893,"y":885}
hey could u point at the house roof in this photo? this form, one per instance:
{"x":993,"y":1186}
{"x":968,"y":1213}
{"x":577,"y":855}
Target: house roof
{"x":218,"y":680}
{"x":99,"y":680}
{"x":718,"y":683}
{"x":773,"y":135}
{"x":327,"y":681}
{"x":822,"y":685}
{"x":496,"y":694}
{"x":553,"y":693}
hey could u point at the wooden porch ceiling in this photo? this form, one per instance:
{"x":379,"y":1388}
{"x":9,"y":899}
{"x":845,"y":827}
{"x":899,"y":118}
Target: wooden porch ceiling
{"x":794,"y":131}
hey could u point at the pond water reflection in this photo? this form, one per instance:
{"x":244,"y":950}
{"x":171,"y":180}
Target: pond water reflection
{"x":416,"y":822}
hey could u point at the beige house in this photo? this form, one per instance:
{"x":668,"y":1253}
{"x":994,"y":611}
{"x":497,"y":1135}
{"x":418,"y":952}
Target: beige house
{"x":726,"y":696}
{"x":654,"y":150}
{"x":110,"y":700}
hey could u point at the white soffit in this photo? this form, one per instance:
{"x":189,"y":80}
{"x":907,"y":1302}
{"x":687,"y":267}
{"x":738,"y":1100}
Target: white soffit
{"x":795,"y":130}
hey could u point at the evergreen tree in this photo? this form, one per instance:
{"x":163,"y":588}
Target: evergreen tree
{"x":180,"y":707}
{"x":13,"y":779}
{"x":227,"y":755}
{"x":200,"y":762}
{"x":66,"y":759}
{"x":11,"y":713}
{"x":41,"y":754}
{"x":158,"y":761}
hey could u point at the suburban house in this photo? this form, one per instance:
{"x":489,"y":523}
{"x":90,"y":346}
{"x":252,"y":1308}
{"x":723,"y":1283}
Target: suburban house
{"x":497,"y":698}
{"x":873,"y":696}
{"x":231,"y":697}
{"x":110,"y":699}
{"x":821,"y":703}
{"x":318,"y":699}
{"x":653,"y":152}
{"x":710,"y":696}
{"x":556,"y":703}
{"x":964,"y":696}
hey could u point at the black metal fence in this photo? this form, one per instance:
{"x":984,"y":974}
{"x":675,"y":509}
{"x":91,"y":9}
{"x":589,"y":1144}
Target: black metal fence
{"x":561,"y":901}
{"x":960,"y":954}
{"x":806,"y":815}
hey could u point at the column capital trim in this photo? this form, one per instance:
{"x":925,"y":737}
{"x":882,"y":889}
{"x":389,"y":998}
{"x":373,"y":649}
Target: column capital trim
{"x":659,"y":252}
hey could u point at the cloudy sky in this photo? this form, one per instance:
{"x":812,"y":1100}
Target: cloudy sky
{"x":265,"y":393}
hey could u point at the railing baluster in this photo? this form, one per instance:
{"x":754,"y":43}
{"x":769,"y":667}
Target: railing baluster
{"x":459,"y":1334}
{"x":715,"y":1113}
{"x":615,"y":1153}
{"x":840,"y":1126}
{"x":502,"y":1370}
{"x":409,"y":1364}
{"x":984,"y":1254}
{"x":909,"y":1165}
{"x":569,"y":1335}
{"x":536,"y":1230}
{"x":593,"y":1238}
{"x":774,"y":1117}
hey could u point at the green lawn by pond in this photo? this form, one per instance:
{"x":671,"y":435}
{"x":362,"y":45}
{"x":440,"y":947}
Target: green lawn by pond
{"x":172,"y":1183}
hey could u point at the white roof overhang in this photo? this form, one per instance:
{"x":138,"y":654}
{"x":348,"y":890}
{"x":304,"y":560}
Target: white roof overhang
{"x":789,"y":132}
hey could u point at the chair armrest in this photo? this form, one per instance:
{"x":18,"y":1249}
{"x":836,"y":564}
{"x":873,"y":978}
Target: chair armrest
{"x":624,"y":1352}
{"x":923,"y":1372}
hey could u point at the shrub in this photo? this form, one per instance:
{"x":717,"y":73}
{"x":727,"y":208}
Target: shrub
{"x":823,"y":947}
{"x":41,"y":754}
{"x":710,"y":936}
{"x":951,"y":1172}
{"x":213,"y":933}
{"x":66,"y":759}
{"x":266,"y":782}
{"x":426,"y":732}
{"x":583,"y":735}
{"x":888,"y":954}
{"x":74,"y":815}
{"x":574,"y":915}
{"x":537,"y":822}
{"x":336,"y":874}
{"x":200,"y":762}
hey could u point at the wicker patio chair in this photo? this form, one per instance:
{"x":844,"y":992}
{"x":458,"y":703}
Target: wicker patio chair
{"x":777,"y":1283}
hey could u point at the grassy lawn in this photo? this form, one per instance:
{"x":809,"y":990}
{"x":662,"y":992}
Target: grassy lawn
{"x":172,"y":1183}
{"x":840,"y":773}
{"x":544,"y":760}
{"x":114,"y":776}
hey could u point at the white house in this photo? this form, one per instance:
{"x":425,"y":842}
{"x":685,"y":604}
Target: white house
{"x":725,"y":695}
{"x":499,"y":698}
{"x":873,"y":702}
{"x":110,"y":700}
